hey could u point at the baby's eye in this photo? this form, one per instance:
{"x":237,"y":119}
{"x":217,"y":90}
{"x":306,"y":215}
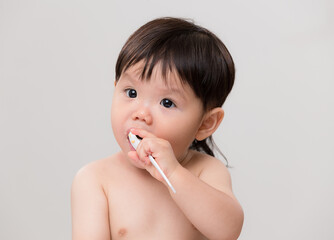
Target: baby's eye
{"x":167,"y":103}
{"x":131,"y":93}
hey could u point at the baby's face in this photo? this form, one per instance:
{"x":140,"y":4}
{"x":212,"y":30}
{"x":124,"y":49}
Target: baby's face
{"x":168,"y":109}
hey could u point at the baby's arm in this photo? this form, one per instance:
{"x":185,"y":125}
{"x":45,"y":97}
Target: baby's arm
{"x":208,"y":201}
{"x":89,"y":206}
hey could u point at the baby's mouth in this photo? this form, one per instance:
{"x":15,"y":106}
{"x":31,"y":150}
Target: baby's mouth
{"x":140,"y":138}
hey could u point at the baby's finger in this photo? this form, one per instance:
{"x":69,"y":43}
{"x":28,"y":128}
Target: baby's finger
{"x":134,"y":158}
{"x":141,"y":133}
{"x":143,"y":151}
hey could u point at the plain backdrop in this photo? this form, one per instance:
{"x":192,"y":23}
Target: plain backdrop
{"x":57,"y":61}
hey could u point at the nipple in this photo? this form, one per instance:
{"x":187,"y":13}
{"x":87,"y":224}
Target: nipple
{"x":122,"y":232}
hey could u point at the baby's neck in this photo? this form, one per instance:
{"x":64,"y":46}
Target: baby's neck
{"x":186,"y":158}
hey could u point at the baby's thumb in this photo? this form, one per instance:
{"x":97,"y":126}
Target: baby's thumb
{"x":135,"y":160}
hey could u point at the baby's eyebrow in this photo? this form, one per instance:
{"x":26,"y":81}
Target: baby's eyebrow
{"x":175,"y":90}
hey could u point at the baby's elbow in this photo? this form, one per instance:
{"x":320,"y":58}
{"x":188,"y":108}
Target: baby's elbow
{"x":239,"y":224}
{"x":232,"y":230}
{"x":236,"y":226}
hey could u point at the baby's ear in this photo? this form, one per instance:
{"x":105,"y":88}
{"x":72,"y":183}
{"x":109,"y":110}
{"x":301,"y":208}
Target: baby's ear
{"x":210,"y":123}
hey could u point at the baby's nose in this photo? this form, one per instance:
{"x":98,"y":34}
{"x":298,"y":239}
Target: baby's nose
{"x":143,"y":114}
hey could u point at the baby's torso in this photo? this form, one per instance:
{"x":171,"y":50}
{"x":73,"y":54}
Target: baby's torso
{"x":140,"y":207}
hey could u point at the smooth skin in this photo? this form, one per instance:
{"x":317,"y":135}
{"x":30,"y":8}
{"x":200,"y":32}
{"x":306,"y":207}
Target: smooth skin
{"x":124,"y":196}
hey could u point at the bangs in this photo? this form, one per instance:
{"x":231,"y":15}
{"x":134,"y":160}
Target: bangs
{"x":175,"y":54}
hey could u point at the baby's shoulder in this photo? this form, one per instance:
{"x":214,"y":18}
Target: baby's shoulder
{"x":97,"y":172}
{"x":205,"y":163}
{"x":212,"y":171}
{"x":95,"y":168}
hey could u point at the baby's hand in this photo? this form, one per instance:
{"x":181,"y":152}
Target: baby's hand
{"x":160,"y":149}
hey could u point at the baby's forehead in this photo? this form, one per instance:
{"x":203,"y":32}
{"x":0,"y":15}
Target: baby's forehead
{"x":170,"y":76}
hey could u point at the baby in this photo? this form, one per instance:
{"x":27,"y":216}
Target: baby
{"x":172,"y":78}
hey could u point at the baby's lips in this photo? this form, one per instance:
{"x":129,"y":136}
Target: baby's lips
{"x":138,"y":132}
{"x":134,"y":130}
{"x":142,"y":133}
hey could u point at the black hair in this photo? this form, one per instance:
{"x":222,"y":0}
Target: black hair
{"x":199,"y":57}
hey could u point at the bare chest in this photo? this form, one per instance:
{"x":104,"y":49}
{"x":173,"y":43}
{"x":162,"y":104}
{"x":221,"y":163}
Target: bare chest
{"x":140,"y":207}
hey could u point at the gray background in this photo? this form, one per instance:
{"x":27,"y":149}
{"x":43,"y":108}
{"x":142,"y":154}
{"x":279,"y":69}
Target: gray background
{"x":57,"y":68}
